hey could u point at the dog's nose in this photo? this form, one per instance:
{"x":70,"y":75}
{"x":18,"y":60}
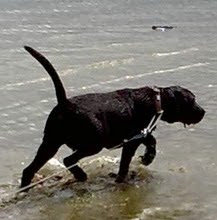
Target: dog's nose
{"x":198,"y":113}
{"x":202,"y":112}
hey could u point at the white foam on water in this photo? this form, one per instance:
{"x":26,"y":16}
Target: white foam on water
{"x":103,"y":64}
{"x":111,"y":63}
{"x":152,"y":212}
{"x":44,"y":101}
{"x":85,"y":87}
{"x":125,"y":44}
{"x":211,"y":86}
{"x":55,"y":162}
{"x":179,"y":68}
{"x":14,"y":105}
{"x":175,"y":52}
{"x":104,"y":159}
{"x":12,"y":85}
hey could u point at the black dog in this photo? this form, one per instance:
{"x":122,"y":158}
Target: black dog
{"x":90,"y":122}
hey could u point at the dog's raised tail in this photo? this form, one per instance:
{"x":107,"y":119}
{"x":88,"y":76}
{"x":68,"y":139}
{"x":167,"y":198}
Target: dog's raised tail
{"x":60,"y":91}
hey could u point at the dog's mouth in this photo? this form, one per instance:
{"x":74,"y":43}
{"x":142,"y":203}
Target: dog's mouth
{"x":194,"y":117}
{"x":186,"y":125}
{"x":190,"y":123}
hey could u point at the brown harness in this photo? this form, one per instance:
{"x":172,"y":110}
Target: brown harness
{"x":157,"y":99}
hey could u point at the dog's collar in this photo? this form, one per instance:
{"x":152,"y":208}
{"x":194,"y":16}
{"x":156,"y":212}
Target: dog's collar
{"x":157,"y":99}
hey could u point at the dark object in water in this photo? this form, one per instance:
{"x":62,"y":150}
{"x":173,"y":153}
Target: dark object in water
{"x":162,"y":28}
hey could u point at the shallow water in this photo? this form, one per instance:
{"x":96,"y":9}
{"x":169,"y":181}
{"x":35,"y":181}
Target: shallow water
{"x":99,"y":46}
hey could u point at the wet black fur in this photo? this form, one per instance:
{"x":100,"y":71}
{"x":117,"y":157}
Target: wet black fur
{"x":88,"y":123}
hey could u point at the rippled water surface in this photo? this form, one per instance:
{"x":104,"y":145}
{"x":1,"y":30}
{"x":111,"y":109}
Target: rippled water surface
{"x":100,"y":46}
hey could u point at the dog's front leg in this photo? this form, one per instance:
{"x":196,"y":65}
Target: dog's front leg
{"x":128,"y":152}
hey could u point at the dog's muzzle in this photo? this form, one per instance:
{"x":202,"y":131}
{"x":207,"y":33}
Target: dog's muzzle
{"x":197,"y":114}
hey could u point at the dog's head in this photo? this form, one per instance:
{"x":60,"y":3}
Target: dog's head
{"x":179,"y":105}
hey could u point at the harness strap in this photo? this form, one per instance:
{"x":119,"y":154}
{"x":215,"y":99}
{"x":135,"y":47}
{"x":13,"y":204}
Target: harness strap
{"x":151,"y":126}
{"x":159,"y":110}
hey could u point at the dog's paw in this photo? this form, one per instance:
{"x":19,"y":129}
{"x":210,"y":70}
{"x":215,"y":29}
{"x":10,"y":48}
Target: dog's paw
{"x":81,"y":177}
{"x":147,"y":159}
{"x":26,"y":179}
{"x":133,"y":175}
{"x":120,"y":179}
{"x":24,"y":188}
{"x":24,"y":182}
{"x":113,"y":175}
{"x":79,"y":174}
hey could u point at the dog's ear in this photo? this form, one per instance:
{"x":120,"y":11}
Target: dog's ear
{"x":169,"y":104}
{"x":168,"y":95}
{"x":175,"y":93}
{"x":182,"y":94}
{"x":171,"y":93}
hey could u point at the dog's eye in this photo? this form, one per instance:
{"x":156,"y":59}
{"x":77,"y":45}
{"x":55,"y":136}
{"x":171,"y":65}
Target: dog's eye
{"x":192,"y":100}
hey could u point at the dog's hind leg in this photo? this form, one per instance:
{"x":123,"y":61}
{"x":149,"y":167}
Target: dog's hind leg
{"x":45,"y":152}
{"x":78,"y":173}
